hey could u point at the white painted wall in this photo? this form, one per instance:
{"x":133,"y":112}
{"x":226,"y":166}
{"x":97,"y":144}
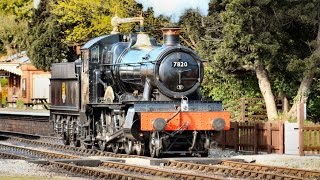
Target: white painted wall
{"x":40,"y":86}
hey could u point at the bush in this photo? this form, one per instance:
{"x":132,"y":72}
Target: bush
{"x":19,"y":103}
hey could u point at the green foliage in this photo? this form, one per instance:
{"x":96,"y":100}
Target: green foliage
{"x":313,"y":104}
{"x":48,"y":48}
{"x":192,"y":31}
{"x":153,"y":25}
{"x":12,"y":33}
{"x":228,"y":87}
{"x":22,"y":9}
{"x":85,"y":19}
{"x":2,"y":50}
{"x":14,"y":15}
{"x":239,"y":35}
{"x":205,"y":35}
{"x":3,"y":100}
{"x":4,"y":82}
{"x":236,"y":37}
{"x":45,"y":39}
{"x":19,"y":103}
{"x":247,"y":40}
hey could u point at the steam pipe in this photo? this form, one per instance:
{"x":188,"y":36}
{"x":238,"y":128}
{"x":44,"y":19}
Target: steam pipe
{"x":116,"y":21}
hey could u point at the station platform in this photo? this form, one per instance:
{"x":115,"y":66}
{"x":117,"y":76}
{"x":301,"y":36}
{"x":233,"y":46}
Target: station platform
{"x":26,"y":112}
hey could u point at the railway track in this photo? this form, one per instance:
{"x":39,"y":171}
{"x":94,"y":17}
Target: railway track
{"x":172,"y":169}
{"x":107,"y":169}
{"x":86,"y":171}
{"x":33,"y":153}
{"x":248,"y":171}
{"x":274,"y":169}
{"x":67,"y":149}
{"x":96,"y":173}
{"x":49,"y":139}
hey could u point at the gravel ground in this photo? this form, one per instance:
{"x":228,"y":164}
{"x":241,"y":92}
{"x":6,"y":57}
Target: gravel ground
{"x":20,"y":169}
{"x":293,"y":161}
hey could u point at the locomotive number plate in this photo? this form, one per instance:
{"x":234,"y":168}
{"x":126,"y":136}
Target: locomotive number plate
{"x":179,"y":64}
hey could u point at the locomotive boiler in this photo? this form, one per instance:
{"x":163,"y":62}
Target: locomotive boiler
{"x":129,"y":93}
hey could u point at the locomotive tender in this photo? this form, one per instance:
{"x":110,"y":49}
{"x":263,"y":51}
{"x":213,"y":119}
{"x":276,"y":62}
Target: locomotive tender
{"x":130,"y":93}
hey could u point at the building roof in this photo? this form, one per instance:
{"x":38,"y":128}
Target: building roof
{"x":17,"y":58}
{"x":12,"y":68}
{"x":12,"y":63}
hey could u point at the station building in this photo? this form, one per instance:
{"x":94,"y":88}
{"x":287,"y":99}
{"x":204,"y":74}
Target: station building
{"x":21,"y":81}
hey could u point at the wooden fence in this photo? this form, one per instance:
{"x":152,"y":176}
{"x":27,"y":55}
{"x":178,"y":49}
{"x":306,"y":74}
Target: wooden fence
{"x":264,"y":136}
{"x":311,"y":139}
{"x":249,"y":109}
{"x":267,"y":137}
{"x":253,"y":137}
{"x":309,"y":135}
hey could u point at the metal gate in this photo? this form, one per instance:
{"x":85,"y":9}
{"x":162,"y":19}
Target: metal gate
{"x":291,"y":138}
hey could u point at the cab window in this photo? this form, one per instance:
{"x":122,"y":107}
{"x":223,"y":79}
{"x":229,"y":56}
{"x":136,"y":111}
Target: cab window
{"x":94,"y":53}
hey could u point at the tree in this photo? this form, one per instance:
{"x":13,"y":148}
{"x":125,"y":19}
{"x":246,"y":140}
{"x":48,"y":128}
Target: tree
{"x":14,"y":15}
{"x":48,"y":48}
{"x":306,"y":14}
{"x":58,"y":26}
{"x":204,"y":35}
{"x":1,"y":48}
{"x":22,"y":9}
{"x":153,"y":25}
{"x":12,"y":33}
{"x":45,"y":38}
{"x":265,"y":38}
{"x":83,"y":20}
{"x":248,"y":45}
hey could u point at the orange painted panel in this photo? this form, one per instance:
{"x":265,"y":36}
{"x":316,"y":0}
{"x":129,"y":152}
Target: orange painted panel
{"x":191,"y":120}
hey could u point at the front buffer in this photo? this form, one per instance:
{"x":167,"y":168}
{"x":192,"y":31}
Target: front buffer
{"x":181,"y":127}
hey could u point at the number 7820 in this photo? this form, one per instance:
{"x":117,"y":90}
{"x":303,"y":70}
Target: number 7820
{"x":179,"y":64}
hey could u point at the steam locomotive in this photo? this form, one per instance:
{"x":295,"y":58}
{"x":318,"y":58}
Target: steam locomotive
{"x":129,"y":93}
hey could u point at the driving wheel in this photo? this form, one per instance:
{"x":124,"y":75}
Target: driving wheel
{"x":66,"y":138}
{"x":115,"y":147}
{"x":128,"y":147}
{"x":154,"y":145}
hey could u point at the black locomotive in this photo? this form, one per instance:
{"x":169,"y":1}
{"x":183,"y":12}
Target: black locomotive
{"x":130,"y":93}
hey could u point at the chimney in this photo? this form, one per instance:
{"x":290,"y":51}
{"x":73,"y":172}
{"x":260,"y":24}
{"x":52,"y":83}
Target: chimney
{"x":171,"y":36}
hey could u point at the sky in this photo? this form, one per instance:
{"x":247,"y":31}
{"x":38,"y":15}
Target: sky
{"x":174,"y":9}
{"x":36,"y":3}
